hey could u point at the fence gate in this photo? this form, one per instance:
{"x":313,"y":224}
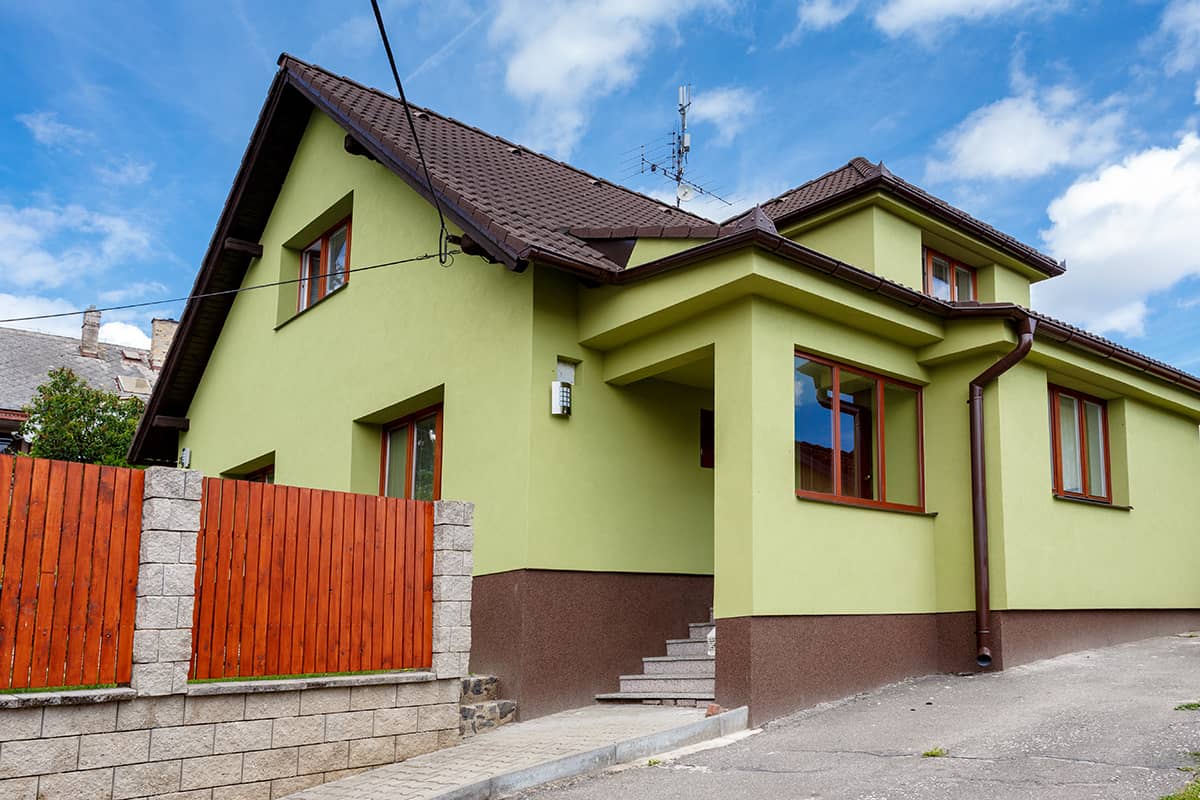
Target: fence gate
{"x":294,"y":581}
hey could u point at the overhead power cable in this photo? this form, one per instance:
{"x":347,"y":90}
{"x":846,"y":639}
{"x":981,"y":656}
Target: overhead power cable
{"x":449,"y":255}
{"x":443,"y":234}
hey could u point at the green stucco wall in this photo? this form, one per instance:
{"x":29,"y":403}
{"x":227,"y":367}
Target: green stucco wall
{"x":481,"y":339}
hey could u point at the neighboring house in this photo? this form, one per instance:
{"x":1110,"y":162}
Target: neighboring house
{"x":26,"y":359}
{"x":768,"y":416}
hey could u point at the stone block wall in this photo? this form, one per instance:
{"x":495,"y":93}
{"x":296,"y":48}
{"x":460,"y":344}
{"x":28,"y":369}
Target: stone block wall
{"x":253,"y":740}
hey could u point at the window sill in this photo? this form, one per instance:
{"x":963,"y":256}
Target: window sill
{"x":1096,"y":503}
{"x":835,"y":501}
{"x":304,"y":311}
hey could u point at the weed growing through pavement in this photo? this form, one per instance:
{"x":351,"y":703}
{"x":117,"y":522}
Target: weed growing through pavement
{"x":1188,"y":707}
{"x":936,"y":752}
{"x":654,"y":762}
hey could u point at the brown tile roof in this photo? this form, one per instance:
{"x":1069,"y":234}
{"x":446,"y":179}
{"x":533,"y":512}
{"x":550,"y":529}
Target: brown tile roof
{"x":527,"y":201}
{"x":859,"y":176}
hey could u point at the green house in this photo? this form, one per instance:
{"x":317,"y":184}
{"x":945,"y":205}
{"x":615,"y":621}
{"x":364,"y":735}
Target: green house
{"x":833,"y":420}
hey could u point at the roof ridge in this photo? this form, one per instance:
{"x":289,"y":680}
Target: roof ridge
{"x":284,"y":57}
{"x":789,"y":192}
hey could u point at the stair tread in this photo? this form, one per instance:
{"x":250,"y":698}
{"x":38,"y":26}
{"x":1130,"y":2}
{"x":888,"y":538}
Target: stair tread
{"x":681,"y":641}
{"x":667,"y":676}
{"x":693,"y":657}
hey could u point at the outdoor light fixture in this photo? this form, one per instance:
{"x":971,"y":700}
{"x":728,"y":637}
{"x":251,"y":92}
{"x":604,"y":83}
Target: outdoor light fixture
{"x":560,"y":388}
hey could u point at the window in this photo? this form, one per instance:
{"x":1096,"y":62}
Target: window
{"x":263,"y":475}
{"x":323,"y":265}
{"x":1079,"y":429}
{"x":411,"y":458}
{"x":948,"y":279}
{"x":858,"y":436}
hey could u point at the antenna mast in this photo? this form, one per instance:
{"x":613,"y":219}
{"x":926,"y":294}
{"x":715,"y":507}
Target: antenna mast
{"x":681,"y":145}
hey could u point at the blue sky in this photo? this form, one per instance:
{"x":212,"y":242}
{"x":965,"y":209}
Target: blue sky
{"x":1070,"y":125}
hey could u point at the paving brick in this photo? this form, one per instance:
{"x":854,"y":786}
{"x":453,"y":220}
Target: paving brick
{"x":211,"y":771}
{"x":20,"y":723}
{"x":214,"y":708}
{"x":72,"y":720}
{"x":19,"y":789}
{"x":292,"y":731}
{"x":38,"y":756}
{"x":351,"y":725}
{"x":391,"y":721}
{"x":265,"y":765}
{"x":89,"y":785}
{"x":140,"y":780}
{"x":436,"y":718}
{"x":419,"y":694}
{"x":324,"y":701}
{"x":368,"y":752}
{"x":156,"y":679}
{"x":271,"y":705}
{"x":185,"y":741}
{"x":323,"y":757}
{"x":112,"y":749}
{"x":150,"y":712}
{"x":366,"y":697}
{"x":236,"y":737}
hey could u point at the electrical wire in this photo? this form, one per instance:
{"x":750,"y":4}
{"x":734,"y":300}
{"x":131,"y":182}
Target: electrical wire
{"x":449,"y":254}
{"x":443,"y":235}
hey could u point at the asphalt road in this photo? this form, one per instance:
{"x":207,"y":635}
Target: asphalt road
{"x":1098,"y":724}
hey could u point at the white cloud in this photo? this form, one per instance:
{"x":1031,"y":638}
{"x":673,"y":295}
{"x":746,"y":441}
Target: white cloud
{"x":817,"y":15}
{"x":123,"y":333}
{"x":125,"y":172}
{"x":49,"y":245}
{"x":1127,"y":232}
{"x":1181,"y":27}
{"x":1029,"y":134}
{"x":134,"y":291}
{"x":728,"y":108}
{"x":925,"y":17}
{"x":47,"y":130}
{"x":564,"y":56}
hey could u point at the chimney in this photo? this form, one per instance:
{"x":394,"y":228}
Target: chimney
{"x":162,"y":332}
{"x":89,"y":340}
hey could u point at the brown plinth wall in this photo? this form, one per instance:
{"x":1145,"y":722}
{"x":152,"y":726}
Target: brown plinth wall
{"x":556,"y":638}
{"x":777,"y":665}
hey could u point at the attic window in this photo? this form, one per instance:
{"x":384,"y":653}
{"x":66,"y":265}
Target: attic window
{"x":324,"y":265}
{"x":948,"y":279}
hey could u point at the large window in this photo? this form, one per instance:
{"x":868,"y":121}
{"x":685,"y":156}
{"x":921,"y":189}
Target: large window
{"x":323,"y":265}
{"x":947,"y":278}
{"x":411,"y":459}
{"x":1079,"y":428}
{"x":858,"y":436}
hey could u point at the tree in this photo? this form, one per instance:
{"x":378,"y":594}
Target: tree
{"x":71,"y":421}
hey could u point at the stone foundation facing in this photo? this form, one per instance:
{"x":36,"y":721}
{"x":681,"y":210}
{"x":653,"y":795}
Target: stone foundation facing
{"x":780,"y":664}
{"x":559,"y":638}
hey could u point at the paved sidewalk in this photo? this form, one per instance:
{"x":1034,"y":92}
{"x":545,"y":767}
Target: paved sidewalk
{"x":1095,"y":725}
{"x":526,"y":754}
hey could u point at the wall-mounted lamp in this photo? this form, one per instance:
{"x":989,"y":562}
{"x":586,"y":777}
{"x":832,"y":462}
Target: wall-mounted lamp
{"x":560,"y":388}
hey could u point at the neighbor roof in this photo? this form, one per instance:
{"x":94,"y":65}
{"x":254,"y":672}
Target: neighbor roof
{"x":26,"y":357}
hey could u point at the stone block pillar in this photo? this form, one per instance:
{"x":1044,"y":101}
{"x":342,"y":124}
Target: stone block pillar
{"x":453,"y":541}
{"x":162,"y":636}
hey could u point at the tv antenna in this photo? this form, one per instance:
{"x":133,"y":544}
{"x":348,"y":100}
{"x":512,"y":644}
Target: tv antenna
{"x":673,"y":164}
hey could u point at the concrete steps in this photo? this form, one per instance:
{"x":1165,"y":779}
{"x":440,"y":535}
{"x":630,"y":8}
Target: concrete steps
{"x":686,"y":675}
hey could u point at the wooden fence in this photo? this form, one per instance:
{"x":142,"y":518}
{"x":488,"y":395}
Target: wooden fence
{"x":295,"y":581}
{"x":68,"y":583}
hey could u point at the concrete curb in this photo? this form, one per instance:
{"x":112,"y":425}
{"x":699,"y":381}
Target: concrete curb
{"x":607,"y":756}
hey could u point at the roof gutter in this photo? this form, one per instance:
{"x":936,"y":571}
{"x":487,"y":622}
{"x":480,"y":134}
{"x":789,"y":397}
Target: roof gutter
{"x":1026,"y":326}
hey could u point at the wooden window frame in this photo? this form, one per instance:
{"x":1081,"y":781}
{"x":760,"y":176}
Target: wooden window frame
{"x":322,"y":242}
{"x":261,"y":475}
{"x":410,"y":448}
{"x":930,"y":254}
{"x":879,"y":451}
{"x":1056,"y":445}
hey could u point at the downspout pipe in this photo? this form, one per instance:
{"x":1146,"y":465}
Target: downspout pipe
{"x":979,"y":518}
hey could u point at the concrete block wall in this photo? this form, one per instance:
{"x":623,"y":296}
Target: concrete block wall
{"x":161,"y":738}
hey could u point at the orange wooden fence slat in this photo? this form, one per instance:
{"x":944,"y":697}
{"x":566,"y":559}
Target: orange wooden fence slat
{"x":77,"y":630}
{"x":94,"y":634}
{"x":111,"y":603}
{"x":313,"y":581}
{"x":249,"y":579}
{"x":389,"y":660}
{"x":14,"y":554}
{"x":56,"y":649}
{"x":425,"y":613}
{"x":324,"y":567}
{"x":47,"y":574}
{"x":35,"y":535}
{"x":258,"y":664}
{"x":300,"y":601}
{"x":128,"y":610}
{"x":237,"y":566}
